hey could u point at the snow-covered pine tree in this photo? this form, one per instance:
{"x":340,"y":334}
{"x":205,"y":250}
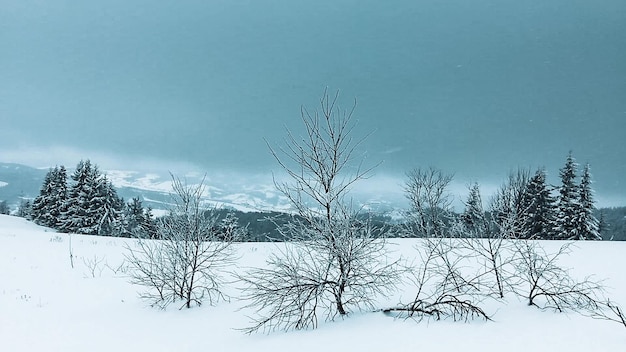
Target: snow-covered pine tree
{"x":473,"y":218}
{"x":59,"y":194}
{"x":150,"y":223}
{"x":47,"y":206}
{"x":134,"y":219}
{"x":566,"y":226}
{"x":539,"y":219}
{"x":588,"y":226}
{"x":106,"y":208}
{"x":74,"y":217}
{"x":40,"y":208}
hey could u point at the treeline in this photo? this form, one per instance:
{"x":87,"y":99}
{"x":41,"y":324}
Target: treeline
{"x":527,"y":207}
{"x":524,"y":207}
{"x":265,"y":226}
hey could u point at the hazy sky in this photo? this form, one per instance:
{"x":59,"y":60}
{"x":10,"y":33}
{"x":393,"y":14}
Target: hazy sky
{"x":472,"y":87}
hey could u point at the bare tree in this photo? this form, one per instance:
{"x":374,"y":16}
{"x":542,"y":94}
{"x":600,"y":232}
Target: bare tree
{"x":334,"y":262}
{"x":507,"y":206}
{"x":192,"y":251}
{"x":430,"y":202}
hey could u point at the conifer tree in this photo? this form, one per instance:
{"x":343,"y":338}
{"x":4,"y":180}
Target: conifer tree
{"x":539,"y":205}
{"x":4,"y":208}
{"x":40,"y":209}
{"x":473,"y":218}
{"x":149,"y":223}
{"x":134,"y":218}
{"x":567,"y":207}
{"x":603,"y":225}
{"x":59,"y":195}
{"x":47,"y":207}
{"x":76,"y":215}
{"x":106,"y":208}
{"x":588,"y":226}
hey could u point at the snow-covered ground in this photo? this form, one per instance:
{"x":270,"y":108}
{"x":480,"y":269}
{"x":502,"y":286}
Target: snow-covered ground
{"x":46,"y":305}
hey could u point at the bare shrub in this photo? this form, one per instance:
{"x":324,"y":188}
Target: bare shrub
{"x":191,"y":254}
{"x":305,"y":280}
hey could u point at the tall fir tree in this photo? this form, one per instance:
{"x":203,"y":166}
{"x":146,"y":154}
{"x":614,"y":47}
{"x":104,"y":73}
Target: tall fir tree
{"x":60,"y":194}
{"x":588,"y":225}
{"x":107,"y":208}
{"x":473,"y":218}
{"x":48,"y":205}
{"x":566,"y":226}
{"x":150,"y":223}
{"x":40,"y":212}
{"x":76,"y":216}
{"x":134,"y":219}
{"x":540,"y":209}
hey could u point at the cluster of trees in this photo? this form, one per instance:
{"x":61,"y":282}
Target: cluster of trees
{"x":4,"y":208}
{"x":526,"y":208}
{"x":89,"y":205}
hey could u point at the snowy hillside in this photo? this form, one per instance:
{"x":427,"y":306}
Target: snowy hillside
{"x":46,"y":305}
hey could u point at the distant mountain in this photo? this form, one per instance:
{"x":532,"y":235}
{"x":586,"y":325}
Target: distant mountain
{"x":154,"y":189}
{"x":21,"y":181}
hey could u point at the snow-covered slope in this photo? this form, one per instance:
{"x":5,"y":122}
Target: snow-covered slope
{"x":46,"y":305}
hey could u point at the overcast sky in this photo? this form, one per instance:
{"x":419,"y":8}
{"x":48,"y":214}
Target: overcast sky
{"x":472,"y":87}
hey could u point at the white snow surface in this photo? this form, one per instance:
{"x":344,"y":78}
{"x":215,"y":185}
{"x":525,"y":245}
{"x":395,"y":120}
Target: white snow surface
{"x":45,"y":305}
{"x":2,"y":183}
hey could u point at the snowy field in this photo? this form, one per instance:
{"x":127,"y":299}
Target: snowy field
{"x":46,"y":305}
